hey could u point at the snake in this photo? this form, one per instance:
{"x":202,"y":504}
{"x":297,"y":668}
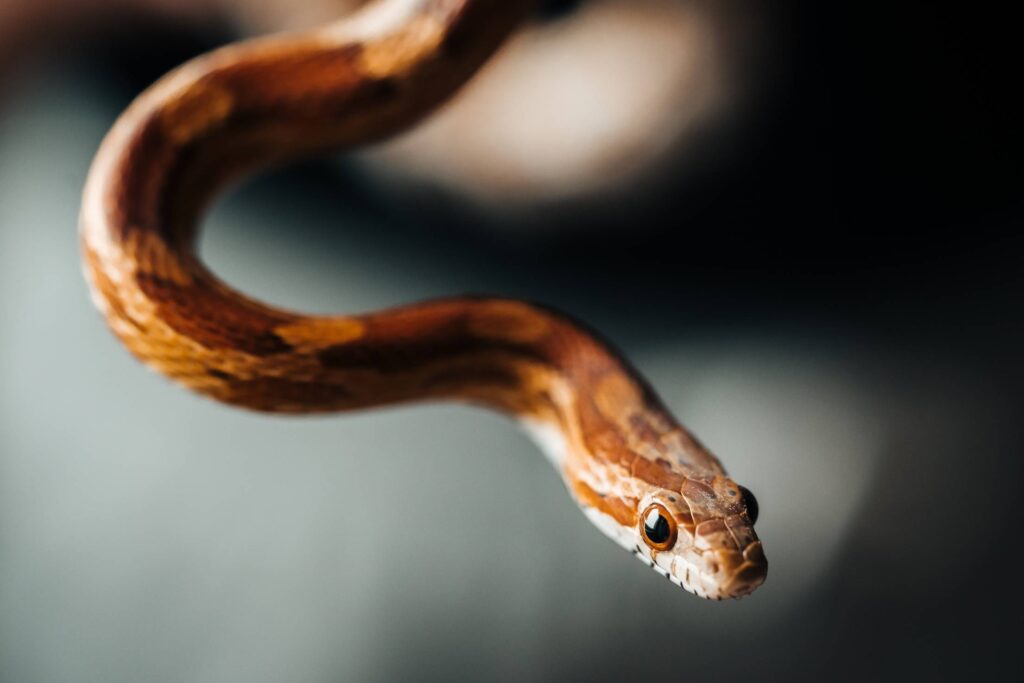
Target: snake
{"x":639,"y":476}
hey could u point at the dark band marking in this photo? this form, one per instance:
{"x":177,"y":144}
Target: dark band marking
{"x":283,"y":395}
{"x":216,"y":321}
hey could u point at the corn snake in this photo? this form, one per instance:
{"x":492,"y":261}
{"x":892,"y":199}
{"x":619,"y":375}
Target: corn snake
{"x":639,"y":476}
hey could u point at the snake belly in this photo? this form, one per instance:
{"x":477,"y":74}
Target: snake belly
{"x":638,"y":475}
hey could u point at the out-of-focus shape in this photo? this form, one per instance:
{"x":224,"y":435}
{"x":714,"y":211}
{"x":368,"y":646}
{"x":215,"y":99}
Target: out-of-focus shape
{"x":29,"y":28}
{"x":585,"y":104}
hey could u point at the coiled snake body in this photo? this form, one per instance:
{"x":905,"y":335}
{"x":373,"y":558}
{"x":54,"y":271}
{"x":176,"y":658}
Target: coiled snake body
{"x":638,"y":475}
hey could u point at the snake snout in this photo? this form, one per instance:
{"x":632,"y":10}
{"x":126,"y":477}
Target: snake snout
{"x":747,"y":569}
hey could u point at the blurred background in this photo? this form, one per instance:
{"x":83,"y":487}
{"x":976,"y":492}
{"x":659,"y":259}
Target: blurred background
{"x":803,"y":224}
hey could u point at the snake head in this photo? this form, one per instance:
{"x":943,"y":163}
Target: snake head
{"x":702,"y":537}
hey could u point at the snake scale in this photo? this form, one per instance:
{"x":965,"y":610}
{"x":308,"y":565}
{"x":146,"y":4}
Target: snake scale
{"x":638,"y":475}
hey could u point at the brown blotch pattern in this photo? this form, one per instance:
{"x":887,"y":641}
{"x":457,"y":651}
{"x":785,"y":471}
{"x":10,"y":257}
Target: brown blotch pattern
{"x":196,"y":111}
{"x":269,"y":393}
{"x":212,"y":319}
{"x":622,"y":510}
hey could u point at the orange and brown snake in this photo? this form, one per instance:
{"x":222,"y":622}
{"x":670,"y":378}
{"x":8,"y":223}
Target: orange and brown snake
{"x":637,"y":474}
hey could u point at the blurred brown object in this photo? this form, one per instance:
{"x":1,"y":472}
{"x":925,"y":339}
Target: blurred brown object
{"x":585,"y":108}
{"x":604,"y":100}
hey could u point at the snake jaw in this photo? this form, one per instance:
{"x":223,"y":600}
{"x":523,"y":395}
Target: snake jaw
{"x":715,"y":575}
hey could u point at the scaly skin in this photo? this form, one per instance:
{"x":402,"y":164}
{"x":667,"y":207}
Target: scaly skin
{"x":367,"y":77}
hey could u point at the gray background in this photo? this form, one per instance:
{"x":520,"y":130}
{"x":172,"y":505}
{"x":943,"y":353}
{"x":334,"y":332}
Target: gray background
{"x":146,"y":534}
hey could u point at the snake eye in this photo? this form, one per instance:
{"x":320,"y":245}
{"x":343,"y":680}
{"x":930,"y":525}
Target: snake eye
{"x":658,"y":527}
{"x":751,"y":504}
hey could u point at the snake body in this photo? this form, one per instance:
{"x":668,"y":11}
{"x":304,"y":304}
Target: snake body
{"x":638,"y":475}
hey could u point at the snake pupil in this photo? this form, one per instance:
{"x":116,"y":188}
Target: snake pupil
{"x":751,"y":504}
{"x":656,"y":527}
